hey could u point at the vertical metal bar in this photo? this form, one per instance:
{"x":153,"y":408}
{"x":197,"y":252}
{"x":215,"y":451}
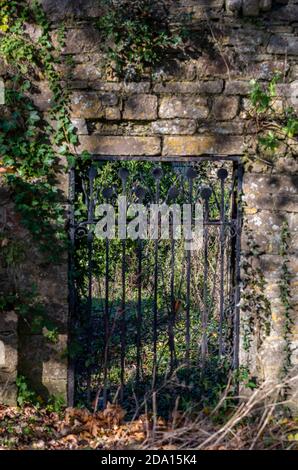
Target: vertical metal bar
{"x":206,"y":193}
{"x":188,"y":279}
{"x":157,"y":173}
{"x":106,"y":322}
{"x":139,"y":312}
{"x":140,"y":193}
{"x":222,"y":174}
{"x":92,"y":174}
{"x":107,"y":194}
{"x":238,"y":210}
{"x":171,"y":320}
{"x":71,"y":290}
{"x":123,"y":175}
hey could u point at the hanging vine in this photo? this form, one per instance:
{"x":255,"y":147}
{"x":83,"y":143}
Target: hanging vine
{"x":272,"y":126}
{"x":285,"y":297}
{"x":254,"y":304}
{"x":33,"y":149}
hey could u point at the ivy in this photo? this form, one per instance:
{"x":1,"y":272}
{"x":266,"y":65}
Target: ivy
{"x":272,"y":128}
{"x":254,"y":302}
{"x":29,"y":160}
{"x":285,"y":297}
{"x":136,"y":35}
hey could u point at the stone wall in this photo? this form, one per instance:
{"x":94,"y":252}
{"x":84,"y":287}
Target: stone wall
{"x":192,"y":106}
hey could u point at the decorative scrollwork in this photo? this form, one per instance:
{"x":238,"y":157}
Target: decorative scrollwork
{"x":81,"y":231}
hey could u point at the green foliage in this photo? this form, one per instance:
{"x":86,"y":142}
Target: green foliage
{"x":31,"y":309}
{"x":27,"y":153}
{"x":286,"y":297}
{"x":55,"y":404}
{"x":25,"y":395}
{"x":254,"y":302}
{"x":272,"y":129}
{"x":244,"y":377}
{"x":136,"y":35}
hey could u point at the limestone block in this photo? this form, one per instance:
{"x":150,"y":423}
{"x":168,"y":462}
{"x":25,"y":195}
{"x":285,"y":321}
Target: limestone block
{"x":265,"y":5}
{"x":184,"y":107}
{"x":201,"y":87}
{"x":103,"y":145}
{"x":71,"y":8}
{"x":283,"y":45}
{"x":234,"y":5}
{"x":237,"y":87}
{"x":250,"y":7}
{"x":91,"y":105}
{"x":204,"y":144}
{"x":140,"y":107}
{"x":8,"y":357}
{"x":225,"y":107}
{"x":174,"y":126}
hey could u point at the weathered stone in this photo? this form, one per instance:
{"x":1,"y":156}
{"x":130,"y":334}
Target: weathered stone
{"x":80,"y":126}
{"x":129,"y":128}
{"x":102,"y":145}
{"x":287,"y":13}
{"x":271,"y":266}
{"x":263,"y":70}
{"x":2,"y":354}
{"x":237,"y":87}
{"x":234,"y":5}
{"x":250,"y":7}
{"x":71,"y":8}
{"x":8,"y":357}
{"x":211,"y":67}
{"x":246,"y":40}
{"x":83,"y":40}
{"x":283,"y":45}
{"x":184,"y":107}
{"x":86,"y":105}
{"x":136,"y":87}
{"x":112,"y":114}
{"x":140,"y":107}
{"x":175,"y":126}
{"x":201,"y":87}
{"x":222,"y":127}
{"x":9,"y":342}
{"x":86,"y":72}
{"x":42,"y":99}
{"x":271,"y":192}
{"x":265,"y":227}
{"x":8,"y":392}
{"x":90,"y":105}
{"x":225,"y":107}
{"x":265,"y":5}
{"x":48,"y":365}
{"x":199,"y":145}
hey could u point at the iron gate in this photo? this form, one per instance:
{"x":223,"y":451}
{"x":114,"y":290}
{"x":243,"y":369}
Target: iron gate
{"x":150,"y":317}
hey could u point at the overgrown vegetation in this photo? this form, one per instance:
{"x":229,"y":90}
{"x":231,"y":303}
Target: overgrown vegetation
{"x":286,"y":298}
{"x":136,"y":35}
{"x":28,"y":146}
{"x":275,"y":123}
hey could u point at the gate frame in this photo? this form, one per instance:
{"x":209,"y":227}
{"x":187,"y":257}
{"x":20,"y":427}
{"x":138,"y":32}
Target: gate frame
{"x":237,"y":208}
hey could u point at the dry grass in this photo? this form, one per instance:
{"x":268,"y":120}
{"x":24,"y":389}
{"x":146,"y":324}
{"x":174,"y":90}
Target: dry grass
{"x":257,"y":422}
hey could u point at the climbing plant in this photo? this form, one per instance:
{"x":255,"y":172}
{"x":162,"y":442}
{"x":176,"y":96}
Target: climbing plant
{"x":136,"y":35}
{"x":272,"y":126}
{"x":254,"y":302}
{"x":286,"y":297}
{"x":33,"y":147}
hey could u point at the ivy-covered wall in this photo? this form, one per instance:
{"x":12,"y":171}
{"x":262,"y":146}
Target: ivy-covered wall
{"x":190,"y":94}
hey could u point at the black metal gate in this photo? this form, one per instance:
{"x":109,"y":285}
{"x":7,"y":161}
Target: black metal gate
{"x":149,"y":317}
